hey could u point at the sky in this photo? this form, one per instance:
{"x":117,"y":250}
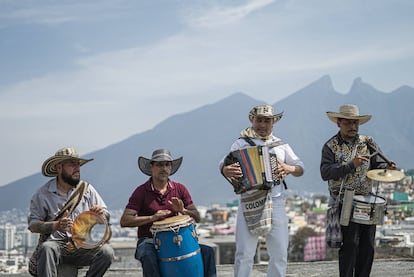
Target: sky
{"x":90,"y":73}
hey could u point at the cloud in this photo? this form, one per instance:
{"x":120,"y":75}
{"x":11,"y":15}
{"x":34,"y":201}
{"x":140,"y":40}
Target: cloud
{"x":257,"y":47}
{"x":191,"y":62}
{"x":215,"y":14}
{"x":46,"y":12}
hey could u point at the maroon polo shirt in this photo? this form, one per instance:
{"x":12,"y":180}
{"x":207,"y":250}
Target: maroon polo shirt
{"x":147,"y":200}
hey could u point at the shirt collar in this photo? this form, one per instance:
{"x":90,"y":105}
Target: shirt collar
{"x":150,"y":186}
{"x":342,"y":141}
{"x":53,"y":186}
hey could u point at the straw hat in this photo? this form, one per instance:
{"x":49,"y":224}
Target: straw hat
{"x":264,"y":111}
{"x":160,"y":155}
{"x":348,"y":111}
{"x":49,"y":166}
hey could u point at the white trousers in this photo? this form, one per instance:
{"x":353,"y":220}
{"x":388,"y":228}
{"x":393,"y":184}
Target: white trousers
{"x":277,"y":242}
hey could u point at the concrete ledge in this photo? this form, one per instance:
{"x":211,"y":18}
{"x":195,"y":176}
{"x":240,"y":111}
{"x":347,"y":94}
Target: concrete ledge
{"x":381,"y":268}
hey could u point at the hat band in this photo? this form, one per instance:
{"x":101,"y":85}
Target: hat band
{"x":157,"y":156}
{"x":350,"y":114}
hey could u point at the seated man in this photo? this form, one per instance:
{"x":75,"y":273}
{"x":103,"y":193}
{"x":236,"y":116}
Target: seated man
{"x":53,"y":209}
{"x":156,"y":199}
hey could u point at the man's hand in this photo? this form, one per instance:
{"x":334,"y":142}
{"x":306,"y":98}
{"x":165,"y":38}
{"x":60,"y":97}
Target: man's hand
{"x":392,"y":166}
{"x":64,"y":224}
{"x":176,"y":204}
{"x":233,"y":171}
{"x":160,"y":214}
{"x":359,"y":160}
{"x":97,"y":209}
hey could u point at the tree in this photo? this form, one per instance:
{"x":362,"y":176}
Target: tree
{"x":298,"y":241}
{"x":409,"y":172}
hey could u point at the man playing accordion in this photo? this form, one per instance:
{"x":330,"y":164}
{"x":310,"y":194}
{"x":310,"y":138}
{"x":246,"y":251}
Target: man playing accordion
{"x":261,"y":209}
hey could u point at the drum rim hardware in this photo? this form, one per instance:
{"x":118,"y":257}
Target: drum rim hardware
{"x":179,"y":258}
{"x":164,"y":225}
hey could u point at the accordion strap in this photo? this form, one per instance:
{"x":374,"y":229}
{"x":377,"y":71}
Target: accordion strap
{"x":249,"y":141}
{"x":270,"y":145}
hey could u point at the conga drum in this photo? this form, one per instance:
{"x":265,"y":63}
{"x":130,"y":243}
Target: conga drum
{"x":176,"y":242}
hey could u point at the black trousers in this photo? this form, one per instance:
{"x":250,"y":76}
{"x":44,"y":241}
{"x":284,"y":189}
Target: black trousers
{"x":356,"y":254}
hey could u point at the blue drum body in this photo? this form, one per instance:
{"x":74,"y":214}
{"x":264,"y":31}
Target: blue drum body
{"x":177,"y":246}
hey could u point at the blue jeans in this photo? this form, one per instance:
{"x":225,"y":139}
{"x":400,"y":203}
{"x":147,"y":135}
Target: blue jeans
{"x":277,"y":241}
{"x":147,"y":255}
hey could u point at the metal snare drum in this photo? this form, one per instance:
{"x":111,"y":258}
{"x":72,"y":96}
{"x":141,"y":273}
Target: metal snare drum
{"x":368,"y":209}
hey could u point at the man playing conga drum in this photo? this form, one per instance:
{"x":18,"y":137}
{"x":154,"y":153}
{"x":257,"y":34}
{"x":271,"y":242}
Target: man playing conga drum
{"x":157,"y":199}
{"x":346,"y":157}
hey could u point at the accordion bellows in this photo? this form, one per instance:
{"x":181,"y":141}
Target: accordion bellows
{"x":258,"y":167}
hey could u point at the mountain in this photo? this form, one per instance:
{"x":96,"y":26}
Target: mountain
{"x":203,"y":136}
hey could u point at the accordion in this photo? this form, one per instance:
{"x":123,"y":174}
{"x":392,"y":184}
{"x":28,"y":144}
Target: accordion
{"x":258,"y":168}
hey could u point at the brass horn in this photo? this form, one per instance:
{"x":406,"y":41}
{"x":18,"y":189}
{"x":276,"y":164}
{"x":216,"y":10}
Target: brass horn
{"x":90,"y":230}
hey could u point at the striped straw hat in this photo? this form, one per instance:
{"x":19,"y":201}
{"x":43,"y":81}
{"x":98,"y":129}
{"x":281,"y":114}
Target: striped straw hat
{"x":160,"y":155}
{"x":264,"y":111}
{"x":67,"y":153}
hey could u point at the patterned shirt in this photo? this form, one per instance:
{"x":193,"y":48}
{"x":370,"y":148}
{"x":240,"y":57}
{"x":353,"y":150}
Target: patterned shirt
{"x":336,"y":163}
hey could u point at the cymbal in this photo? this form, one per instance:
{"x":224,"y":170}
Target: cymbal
{"x":385,"y":175}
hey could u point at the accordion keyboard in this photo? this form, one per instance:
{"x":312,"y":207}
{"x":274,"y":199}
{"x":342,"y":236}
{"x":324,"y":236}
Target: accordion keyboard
{"x":273,"y":165}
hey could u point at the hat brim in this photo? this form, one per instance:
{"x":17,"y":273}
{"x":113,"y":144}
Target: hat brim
{"x":144,"y":165}
{"x":361,"y":118}
{"x":49,"y":166}
{"x":276,"y":117}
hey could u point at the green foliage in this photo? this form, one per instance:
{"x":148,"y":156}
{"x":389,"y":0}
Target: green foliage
{"x":298,"y":241}
{"x":409,"y":172}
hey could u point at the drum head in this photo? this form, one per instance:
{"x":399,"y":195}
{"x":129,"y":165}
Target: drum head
{"x":90,"y":230}
{"x":171,"y":222}
{"x":370,"y":199}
